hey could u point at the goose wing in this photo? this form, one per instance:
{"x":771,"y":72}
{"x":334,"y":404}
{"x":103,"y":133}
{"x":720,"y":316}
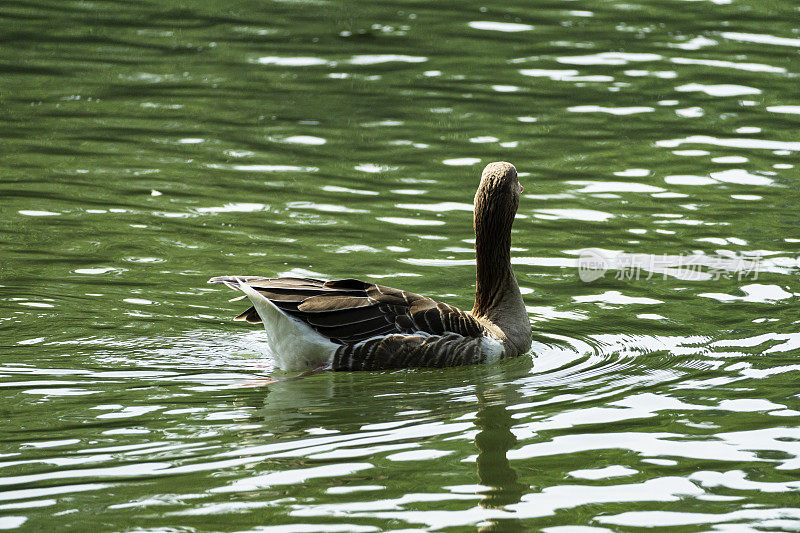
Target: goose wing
{"x":349,"y":311}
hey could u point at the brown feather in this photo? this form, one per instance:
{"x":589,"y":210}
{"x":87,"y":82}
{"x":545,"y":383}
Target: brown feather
{"x":333,"y":302}
{"x":351,"y":311}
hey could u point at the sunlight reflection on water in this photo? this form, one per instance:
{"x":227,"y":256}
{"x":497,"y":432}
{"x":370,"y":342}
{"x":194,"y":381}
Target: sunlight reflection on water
{"x":348,"y":142}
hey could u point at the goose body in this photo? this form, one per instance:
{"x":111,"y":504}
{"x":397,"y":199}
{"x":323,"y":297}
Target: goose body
{"x":349,"y":324}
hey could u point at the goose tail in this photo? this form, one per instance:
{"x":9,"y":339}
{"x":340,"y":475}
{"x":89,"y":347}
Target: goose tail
{"x":294,"y":345}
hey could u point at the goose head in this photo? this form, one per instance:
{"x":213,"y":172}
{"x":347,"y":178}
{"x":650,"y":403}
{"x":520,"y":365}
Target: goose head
{"x":497,"y":200}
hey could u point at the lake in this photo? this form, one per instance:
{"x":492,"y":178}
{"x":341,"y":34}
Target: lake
{"x":149,"y":146}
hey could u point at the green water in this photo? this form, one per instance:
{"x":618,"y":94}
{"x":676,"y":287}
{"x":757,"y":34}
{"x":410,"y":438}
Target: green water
{"x":149,"y":146}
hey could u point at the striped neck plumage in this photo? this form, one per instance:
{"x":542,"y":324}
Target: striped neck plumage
{"x":494,"y":214}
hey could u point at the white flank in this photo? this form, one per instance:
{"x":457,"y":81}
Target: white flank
{"x":493,"y":349}
{"x":294,"y":345}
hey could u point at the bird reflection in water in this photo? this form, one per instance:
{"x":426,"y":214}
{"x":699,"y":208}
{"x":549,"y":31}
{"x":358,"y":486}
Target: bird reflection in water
{"x":493,"y":442}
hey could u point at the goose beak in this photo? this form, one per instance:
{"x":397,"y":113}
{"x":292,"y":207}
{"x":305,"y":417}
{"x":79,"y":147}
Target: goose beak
{"x":521,"y":188}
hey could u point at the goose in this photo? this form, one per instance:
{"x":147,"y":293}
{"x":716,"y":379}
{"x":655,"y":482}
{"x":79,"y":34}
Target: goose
{"x":348,"y":324}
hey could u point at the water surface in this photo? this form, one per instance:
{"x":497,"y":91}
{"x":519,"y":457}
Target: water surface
{"x":149,"y":146}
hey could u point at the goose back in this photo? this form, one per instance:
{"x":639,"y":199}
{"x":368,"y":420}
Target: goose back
{"x":376,"y":326}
